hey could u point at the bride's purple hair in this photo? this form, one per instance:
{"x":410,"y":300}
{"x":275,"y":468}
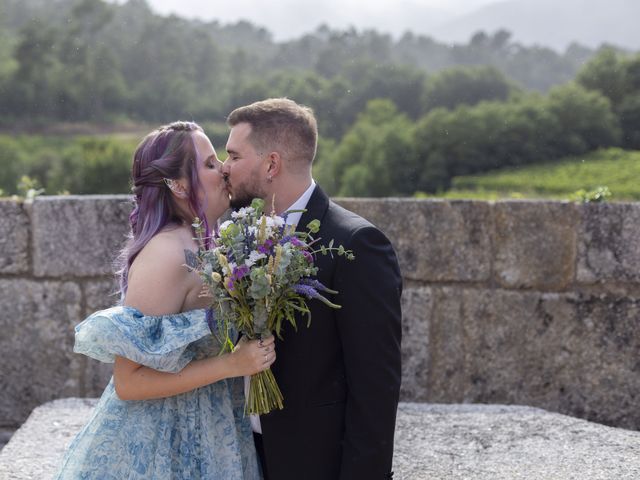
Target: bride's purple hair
{"x":168,"y":152}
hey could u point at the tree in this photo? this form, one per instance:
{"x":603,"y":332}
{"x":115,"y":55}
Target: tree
{"x":528,"y":129}
{"x":465,"y":86}
{"x":374,"y":158}
{"x":605,"y":73}
{"x":629,"y":113}
{"x":33,"y":88}
{"x":585,"y":119}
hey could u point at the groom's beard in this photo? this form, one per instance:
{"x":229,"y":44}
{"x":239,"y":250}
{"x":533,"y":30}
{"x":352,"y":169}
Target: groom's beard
{"x":237,"y":203}
{"x":243,"y":194}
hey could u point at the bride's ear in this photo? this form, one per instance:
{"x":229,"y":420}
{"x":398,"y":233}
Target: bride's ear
{"x":177,"y":187}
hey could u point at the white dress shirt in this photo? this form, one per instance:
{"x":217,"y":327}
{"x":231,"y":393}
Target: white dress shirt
{"x":292,"y":219}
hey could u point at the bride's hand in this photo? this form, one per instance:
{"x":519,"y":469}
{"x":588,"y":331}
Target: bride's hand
{"x":252,"y":356}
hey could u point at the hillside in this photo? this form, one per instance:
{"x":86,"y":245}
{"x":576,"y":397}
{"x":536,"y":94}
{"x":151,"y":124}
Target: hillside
{"x":614,"y":168}
{"x":552,"y":23}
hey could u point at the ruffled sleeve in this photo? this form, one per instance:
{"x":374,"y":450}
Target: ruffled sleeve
{"x":158,"y":342}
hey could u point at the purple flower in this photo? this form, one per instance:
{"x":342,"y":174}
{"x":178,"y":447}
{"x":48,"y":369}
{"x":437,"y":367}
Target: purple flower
{"x":240,"y":272}
{"x":306,"y":290}
{"x":295,"y":241}
{"x":266,"y":247}
{"x":315,"y":284}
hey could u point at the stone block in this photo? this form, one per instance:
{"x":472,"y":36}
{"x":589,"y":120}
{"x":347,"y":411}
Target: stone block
{"x":496,"y":442}
{"x":608,"y":243}
{"x":36,"y":343}
{"x":605,"y":368}
{"x":416,"y":312}
{"x":14,"y":237}
{"x":519,"y":347}
{"x":78,"y":235}
{"x":101,"y":294}
{"x":570,"y":353}
{"x":480,"y":442}
{"x":446,"y":347}
{"x":535,"y":244}
{"x":436,"y":241}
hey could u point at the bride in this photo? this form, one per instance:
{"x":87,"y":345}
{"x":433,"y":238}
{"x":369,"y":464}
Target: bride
{"x":174,"y":407}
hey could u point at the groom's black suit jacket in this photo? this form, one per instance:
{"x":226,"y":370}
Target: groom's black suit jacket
{"x":341,"y":376}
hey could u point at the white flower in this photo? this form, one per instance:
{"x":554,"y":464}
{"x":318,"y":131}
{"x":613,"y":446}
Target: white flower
{"x":242,"y":213}
{"x":253,"y":258}
{"x":277,"y":221}
{"x":224,"y":225}
{"x":274,"y":221}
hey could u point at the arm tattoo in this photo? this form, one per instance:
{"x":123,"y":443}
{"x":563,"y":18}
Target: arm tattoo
{"x":191,"y":259}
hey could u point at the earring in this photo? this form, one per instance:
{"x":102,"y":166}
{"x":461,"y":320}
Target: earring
{"x":269,"y":179}
{"x":175,"y":187}
{"x":171,"y":184}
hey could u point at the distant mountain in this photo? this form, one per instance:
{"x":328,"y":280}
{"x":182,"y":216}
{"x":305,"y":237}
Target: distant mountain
{"x":553,"y":23}
{"x":289,"y":19}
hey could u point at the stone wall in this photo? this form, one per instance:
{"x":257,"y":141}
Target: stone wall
{"x":518,"y":302}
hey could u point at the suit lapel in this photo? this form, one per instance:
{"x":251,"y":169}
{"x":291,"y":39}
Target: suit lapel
{"x":315,"y":210}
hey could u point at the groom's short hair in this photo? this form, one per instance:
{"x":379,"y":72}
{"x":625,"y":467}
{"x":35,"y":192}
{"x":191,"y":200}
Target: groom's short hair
{"x":282,"y":125}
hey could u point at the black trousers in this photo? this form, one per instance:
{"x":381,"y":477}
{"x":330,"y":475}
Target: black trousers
{"x":257,"y":439}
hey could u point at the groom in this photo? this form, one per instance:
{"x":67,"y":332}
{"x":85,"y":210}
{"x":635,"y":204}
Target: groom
{"x":340,"y":377}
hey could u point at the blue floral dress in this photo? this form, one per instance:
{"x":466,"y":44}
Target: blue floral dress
{"x":201,"y":434}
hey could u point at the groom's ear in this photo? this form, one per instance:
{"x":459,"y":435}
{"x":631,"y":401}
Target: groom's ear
{"x":274,"y":164}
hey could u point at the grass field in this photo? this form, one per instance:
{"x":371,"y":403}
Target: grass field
{"x":619,"y":170}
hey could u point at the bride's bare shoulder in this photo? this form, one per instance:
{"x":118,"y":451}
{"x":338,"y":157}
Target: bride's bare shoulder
{"x":158,"y":279}
{"x":164,"y":252}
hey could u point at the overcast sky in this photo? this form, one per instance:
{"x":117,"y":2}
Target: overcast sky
{"x":291,"y":18}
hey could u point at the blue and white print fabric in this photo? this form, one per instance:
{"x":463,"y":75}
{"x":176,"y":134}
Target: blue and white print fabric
{"x":201,"y":434}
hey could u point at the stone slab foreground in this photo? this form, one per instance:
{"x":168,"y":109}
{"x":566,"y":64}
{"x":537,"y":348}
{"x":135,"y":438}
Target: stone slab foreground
{"x":432,"y":442}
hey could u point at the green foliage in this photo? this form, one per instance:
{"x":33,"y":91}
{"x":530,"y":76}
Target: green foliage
{"x":615,"y":168}
{"x":387,"y":127}
{"x":529,"y":129}
{"x":374,"y":158}
{"x":599,"y":195}
{"x":584,"y":120}
{"x":93,"y":165}
{"x":29,"y":188}
{"x":338,"y":101}
{"x":629,"y":113}
{"x":99,"y":61}
{"x":65,"y":165}
{"x":466,"y":86}
{"x":617,"y":77}
{"x":605,"y":73}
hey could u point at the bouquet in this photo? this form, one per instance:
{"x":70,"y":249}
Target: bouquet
{"x":259,"y":273}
